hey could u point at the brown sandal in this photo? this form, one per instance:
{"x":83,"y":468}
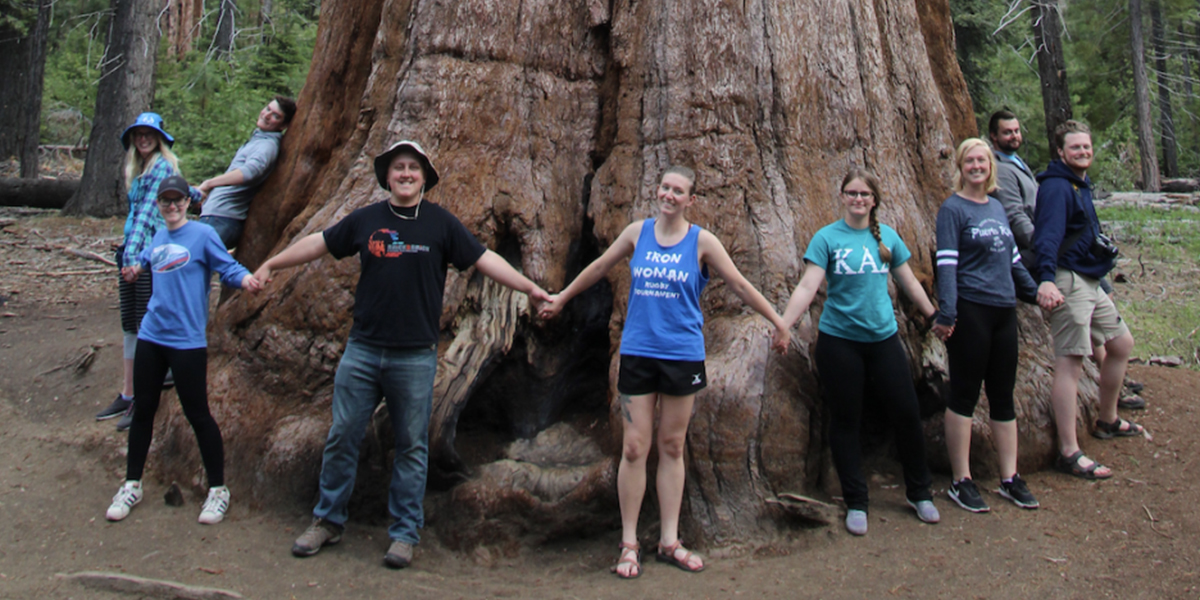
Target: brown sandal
{"x":666,"y":554}
{"x":630,"y":554}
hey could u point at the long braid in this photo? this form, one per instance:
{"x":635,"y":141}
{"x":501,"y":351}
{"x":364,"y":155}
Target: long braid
{"x":884,"y":252}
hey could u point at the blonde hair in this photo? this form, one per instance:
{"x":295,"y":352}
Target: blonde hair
{"x":135,"y":166}
{"x":868,"y":178}
{"x":960,"y":154}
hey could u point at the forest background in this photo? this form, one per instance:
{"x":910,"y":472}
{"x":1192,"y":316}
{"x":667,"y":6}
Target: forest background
{"x":211,"y":78}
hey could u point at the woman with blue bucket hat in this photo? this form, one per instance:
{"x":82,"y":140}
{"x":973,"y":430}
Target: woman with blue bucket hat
{"x":148,"y":161}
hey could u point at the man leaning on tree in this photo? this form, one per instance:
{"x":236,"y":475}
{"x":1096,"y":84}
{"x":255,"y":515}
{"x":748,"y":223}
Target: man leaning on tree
{"x":227,"y":196}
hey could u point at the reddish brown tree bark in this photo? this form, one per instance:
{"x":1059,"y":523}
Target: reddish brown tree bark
{"x":550,"y":127}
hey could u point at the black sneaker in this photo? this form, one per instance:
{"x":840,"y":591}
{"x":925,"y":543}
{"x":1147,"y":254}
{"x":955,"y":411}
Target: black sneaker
{"x":1016,"y":491}
{"x":126,"y":419}
{"x":1134,"y":387}
{"x":967,"y":496}
{"x":116,"y":409}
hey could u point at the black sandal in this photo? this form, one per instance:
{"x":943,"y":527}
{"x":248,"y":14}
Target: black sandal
{"x":1107,"y":431}
{"x":1070,"y":466}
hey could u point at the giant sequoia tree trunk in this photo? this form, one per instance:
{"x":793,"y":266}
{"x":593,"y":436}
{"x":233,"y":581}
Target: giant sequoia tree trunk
{"x":550,"y":126}
{"x":126,"y":88}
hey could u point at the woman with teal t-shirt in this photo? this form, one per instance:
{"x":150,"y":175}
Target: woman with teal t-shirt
{"x":858,"y":352}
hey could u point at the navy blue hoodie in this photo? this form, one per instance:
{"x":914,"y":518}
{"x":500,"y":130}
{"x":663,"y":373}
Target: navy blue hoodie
{"x":1064,"y":207}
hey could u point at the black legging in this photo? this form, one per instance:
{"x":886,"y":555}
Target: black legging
{"x":851,"y":371}
{"x":190,"y":367}
{"x":982,"y":349}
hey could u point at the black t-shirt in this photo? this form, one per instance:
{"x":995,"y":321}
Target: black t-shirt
{"x":399,"y":297}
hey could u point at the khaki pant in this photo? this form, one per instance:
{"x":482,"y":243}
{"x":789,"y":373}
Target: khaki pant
{"x":1088,"y":316}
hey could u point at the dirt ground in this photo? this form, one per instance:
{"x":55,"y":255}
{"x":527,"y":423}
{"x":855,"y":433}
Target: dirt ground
{"x":1134,"y":536}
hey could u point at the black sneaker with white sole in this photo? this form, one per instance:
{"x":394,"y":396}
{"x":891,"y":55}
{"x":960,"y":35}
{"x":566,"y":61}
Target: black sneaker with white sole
{"x":126,"y":419}
{"x":1018,"y":492}
{"x":966,"y":495}
{"x":116,"y":409}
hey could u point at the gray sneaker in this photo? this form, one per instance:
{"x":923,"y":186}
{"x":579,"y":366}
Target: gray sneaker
{"x":926,"y":511}
{"x":856,"y":521}
{"x":320,"y":533}
{"x":399,"y":555}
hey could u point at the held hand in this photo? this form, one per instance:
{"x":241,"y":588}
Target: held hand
{"x":130,"y":274}
{"x":205,"y":187}
{"x":781,"y":339}
{"x":263,"y":275}
{"x":251,"y":284}
{"x":943,"y":332}
{"x":1048,"y":295}
{"x":550,"y":308}
{"x":538,"y":297}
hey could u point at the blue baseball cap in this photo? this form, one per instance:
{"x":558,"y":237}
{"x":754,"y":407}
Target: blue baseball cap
{"x":147,"y":119}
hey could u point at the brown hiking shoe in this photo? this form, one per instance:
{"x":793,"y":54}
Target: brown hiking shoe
{"x":399,"y":555}
{"x":320,"y":533}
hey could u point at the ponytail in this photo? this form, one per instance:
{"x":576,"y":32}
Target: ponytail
{"x":884,"y":252}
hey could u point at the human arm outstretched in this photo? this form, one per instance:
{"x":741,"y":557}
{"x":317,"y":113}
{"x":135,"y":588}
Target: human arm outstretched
{"x":308,"y":249}
{"x":912,"y":288}
{"x":621,"y":248}
{"x":713,"y":254}
{"x":495,"y":267}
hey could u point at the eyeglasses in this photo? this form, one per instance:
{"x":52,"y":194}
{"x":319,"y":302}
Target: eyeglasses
{"x":858,"y":194}
{"x":170,"y":201}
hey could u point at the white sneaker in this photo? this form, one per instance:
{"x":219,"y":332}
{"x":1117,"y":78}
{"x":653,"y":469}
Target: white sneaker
{"x":127,"y":497}
{"x":215,"y":506}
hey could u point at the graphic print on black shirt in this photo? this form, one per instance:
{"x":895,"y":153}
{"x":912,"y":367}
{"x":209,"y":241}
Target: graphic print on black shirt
{"x":398,"y":300}
{"x":385,"y":243}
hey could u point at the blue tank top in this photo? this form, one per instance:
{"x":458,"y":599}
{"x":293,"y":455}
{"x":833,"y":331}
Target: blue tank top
{"x":663,"y":319}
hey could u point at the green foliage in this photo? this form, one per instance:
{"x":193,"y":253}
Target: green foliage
{"x":1161,"y":260}
{"x":1001,"y":71}
{"x":209,"y":104}
{"x":16,"y":17}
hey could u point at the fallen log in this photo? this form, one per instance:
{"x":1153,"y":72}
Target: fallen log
{"x":145,"y":587}
{"x":1180,"y":185}
{"x":37,"y":193}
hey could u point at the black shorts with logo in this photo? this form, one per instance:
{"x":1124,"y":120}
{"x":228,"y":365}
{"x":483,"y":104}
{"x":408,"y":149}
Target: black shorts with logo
{"x":640,"y":375}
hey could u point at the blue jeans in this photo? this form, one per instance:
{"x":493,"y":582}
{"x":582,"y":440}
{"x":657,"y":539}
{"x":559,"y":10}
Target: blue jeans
{"x":404,"y":377}
{"x":230,"y":230}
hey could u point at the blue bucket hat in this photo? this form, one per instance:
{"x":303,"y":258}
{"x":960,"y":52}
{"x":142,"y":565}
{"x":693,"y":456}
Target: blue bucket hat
{"x":147,"y":119}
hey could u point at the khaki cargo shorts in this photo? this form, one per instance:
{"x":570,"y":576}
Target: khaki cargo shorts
{"x":1088,"y":316}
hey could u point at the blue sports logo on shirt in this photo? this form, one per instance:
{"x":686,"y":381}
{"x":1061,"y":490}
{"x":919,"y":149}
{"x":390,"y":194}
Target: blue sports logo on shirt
{"x":169,"y":257}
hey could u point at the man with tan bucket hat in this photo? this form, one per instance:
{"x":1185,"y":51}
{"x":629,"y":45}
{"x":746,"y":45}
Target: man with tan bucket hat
{"x":405,"y":245}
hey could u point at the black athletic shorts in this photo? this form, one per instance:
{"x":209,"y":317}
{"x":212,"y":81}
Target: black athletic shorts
{"x":640,"y":375}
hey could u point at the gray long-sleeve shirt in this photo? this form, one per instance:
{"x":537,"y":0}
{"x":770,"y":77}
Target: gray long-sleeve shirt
{"x":256,"y":160}
{"x":977,"y":258}
{"x":1017,"y":193}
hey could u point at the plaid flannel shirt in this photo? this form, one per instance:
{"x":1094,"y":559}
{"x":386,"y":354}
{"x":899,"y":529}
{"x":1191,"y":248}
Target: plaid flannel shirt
{"x":144,"y":220}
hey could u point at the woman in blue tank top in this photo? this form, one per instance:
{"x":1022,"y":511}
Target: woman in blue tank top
{"x":858,"y":352}
{"x":662,"y":353}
